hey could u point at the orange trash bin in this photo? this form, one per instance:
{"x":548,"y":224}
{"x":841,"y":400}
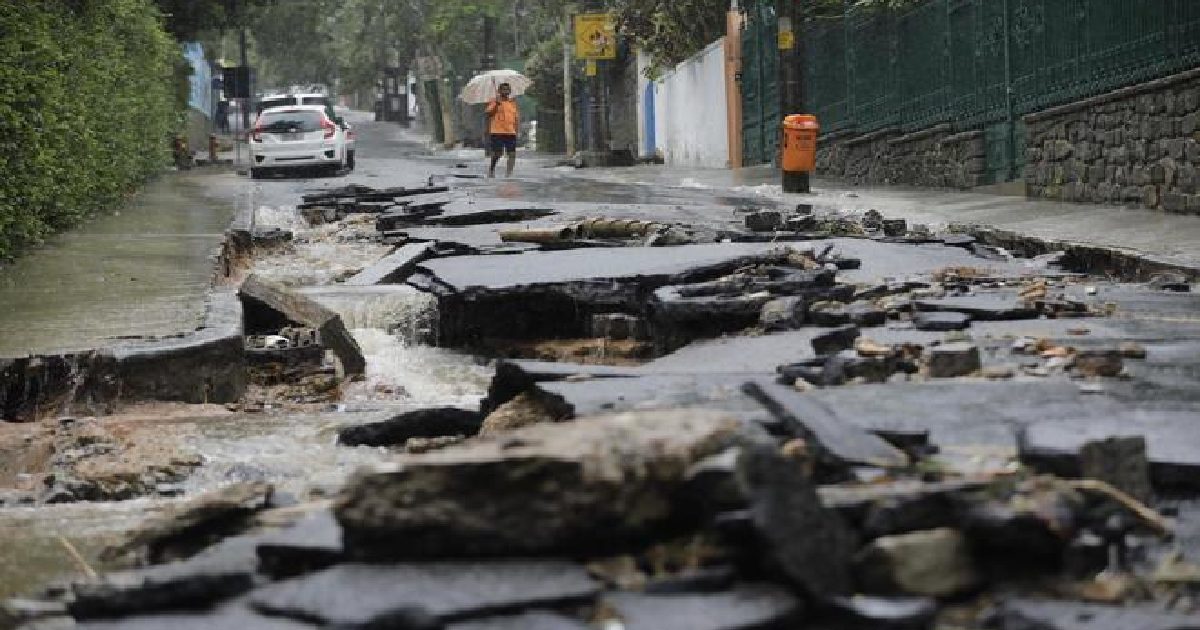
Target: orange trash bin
{"x":800,"y":143}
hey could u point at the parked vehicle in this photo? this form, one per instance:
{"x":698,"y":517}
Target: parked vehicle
{"x":297,"y":136}
{"x":314,"y":98}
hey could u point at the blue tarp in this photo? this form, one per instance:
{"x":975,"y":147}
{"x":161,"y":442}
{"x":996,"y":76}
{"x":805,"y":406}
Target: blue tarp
{"x":201,"y":95}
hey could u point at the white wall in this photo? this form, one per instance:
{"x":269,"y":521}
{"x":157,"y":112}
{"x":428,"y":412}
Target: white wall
{"x":690,"y":114}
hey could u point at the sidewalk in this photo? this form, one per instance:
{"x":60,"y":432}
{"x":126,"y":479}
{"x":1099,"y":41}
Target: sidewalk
{"x":1167,"y":238}
{"x":144,"y":271}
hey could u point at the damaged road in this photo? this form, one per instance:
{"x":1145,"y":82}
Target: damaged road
{"x":655,"y":412}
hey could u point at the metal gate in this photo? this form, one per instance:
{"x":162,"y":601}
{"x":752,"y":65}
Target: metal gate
{"x":760,"y":84}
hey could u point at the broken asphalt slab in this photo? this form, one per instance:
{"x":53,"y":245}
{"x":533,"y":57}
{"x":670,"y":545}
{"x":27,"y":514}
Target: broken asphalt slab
{"x":424,"y":595}
{"x":393,"y":268}
{"x":1172,"y":443}
{"x":834,"y":440}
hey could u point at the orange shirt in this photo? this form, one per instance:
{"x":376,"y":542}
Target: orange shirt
{"x":504,"y":117}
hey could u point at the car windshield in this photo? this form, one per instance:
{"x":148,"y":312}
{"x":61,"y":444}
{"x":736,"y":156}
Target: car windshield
{"x":291,"y":121}
{"x":276,"y":102}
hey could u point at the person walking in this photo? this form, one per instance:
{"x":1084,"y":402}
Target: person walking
{"x":222,"y":116}
{"x":504,"y":123}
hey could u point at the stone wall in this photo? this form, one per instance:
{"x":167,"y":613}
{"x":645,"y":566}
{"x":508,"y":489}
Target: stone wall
{"x":935,"y":157}
{"x":1136,"y":146}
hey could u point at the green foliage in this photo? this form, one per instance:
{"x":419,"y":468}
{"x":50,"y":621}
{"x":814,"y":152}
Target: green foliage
{"x":88,"y":103}
{"x":670,"y":31}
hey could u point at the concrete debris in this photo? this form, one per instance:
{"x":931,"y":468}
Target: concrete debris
{"x":953,"y":359}
{"x":271,"y":306}
{"x":547,"y":488}
{"x":185,"y":528}
{"x":1120,"y":462}
{"x":934,"y":563}
{"x":764,"y":221}
{"x":522,"y":411}
{"x":422,"y":423}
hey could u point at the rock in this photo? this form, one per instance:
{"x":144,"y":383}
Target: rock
{"x":808,"y":543}
{"x":933,"y":563}
{"x":941,"y":321}
{"x":883,"y":613}
{"x":1026,"y":614}
{"x":536,"y":620}
{"x":596,"y":483}
{"x":1098,"y":362}
{"x":524,"y":410}
{"x":747,"y":606}
{"x":764,"y":221}
{"x":1120,"y":462}
{"x":313,"y":543}
{"x":833,"y":441}
{"x":895,"y":227}
{"x":424,"y":595}
{"x":184,"y":528}
{"x":835,"y":340}
{"x":953,"y":359}
{"x":272,"y":306}
{"x":394,"y":268}
{"x":829,"y":314}
{"x":866,"y":315}
{"x":783,"y":314}
{"x":900,"y":507}
{"x":423,"y":423}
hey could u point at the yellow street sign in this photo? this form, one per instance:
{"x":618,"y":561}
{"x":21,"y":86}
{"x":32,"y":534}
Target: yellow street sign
{"x":595,"y":36}
{"x":591,"y":68}
{"x":787,"y":40}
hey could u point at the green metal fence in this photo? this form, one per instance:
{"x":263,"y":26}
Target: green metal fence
{"x":980,"y":64}
{"x":760,"y":84}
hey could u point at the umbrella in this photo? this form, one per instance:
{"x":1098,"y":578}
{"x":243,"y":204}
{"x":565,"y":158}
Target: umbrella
{"x":483,"y":87}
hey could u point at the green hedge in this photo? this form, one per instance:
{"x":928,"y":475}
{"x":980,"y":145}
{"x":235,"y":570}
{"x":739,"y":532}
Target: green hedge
{"x":88,"y":103}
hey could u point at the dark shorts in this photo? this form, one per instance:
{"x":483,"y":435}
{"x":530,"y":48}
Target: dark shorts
{"x":503,"y":143}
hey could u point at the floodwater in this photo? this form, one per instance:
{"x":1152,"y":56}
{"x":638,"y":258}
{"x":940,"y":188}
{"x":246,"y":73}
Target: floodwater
{"x":297,"y":452}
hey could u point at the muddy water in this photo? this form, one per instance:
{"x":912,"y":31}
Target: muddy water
{"x":295,"y":451}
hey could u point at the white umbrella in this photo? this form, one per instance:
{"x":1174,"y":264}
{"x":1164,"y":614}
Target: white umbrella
{"x":483,"y":87}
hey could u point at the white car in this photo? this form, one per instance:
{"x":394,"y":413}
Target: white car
{"x":297,"y":136}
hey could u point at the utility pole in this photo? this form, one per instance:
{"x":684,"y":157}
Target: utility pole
{"x":791,"y":68}
{"x":598,"y":99}
{"x":568,"y":88}
{"x":241,"y":18}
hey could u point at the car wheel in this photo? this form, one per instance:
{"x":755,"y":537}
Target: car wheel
{"x":350,"y":160}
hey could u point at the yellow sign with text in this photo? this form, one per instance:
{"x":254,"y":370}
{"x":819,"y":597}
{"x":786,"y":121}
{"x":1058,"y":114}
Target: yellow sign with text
{"x":787,"y":40}
{"x":595,"y":36}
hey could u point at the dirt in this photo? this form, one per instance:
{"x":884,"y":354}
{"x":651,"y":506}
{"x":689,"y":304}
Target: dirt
{"x":622,"y":353}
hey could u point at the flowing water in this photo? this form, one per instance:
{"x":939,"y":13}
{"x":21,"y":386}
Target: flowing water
{"x":295,"y":451}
